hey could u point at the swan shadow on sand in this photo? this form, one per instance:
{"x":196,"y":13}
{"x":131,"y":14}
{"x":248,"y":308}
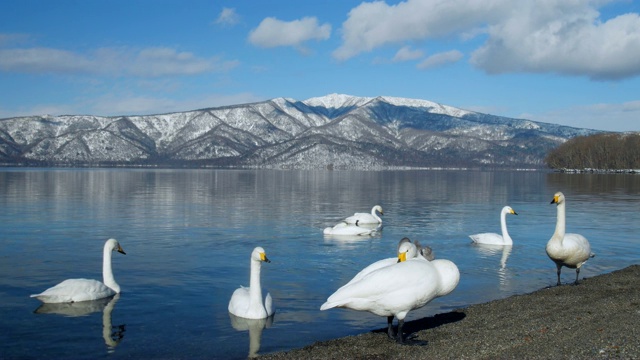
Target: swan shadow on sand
{"x":112,"y":335}
{"x":414,"y":326}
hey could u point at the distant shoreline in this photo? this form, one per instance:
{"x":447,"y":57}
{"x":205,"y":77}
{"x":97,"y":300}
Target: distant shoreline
{"x":596,"y":319}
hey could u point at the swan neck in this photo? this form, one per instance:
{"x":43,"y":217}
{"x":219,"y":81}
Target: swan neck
{"x":560,"y":222}
{"x":107,"y":271}
{"x":255,"y":290}
{"x":503,"y":226}
{"x":375,"y":216}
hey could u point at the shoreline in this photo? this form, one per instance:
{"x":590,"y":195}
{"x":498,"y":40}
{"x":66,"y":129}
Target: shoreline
{"x":598,"y":318}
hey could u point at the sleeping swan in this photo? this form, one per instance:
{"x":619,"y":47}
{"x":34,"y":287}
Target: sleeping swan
{"x":570,"y":250}
{"x":364,"y":218}
{"x":396,"y":289}
{"x":493,"y":238}
{"x":406,"y":251}
{"x":74,"y":290}
{"x":247,"y":302}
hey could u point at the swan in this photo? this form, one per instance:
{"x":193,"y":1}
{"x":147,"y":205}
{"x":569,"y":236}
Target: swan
{"x":355,"y":229}
{"x":365,"y":218}
{"x":74,"y":290}
{"x":570,"y":250}
{"x":406,"y":251}
{"x":396,"y":289}
{"x":493,"y":238}
{"x":247,"y":302}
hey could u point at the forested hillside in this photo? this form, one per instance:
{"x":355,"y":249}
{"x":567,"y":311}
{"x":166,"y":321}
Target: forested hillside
{"x":600,"y":151}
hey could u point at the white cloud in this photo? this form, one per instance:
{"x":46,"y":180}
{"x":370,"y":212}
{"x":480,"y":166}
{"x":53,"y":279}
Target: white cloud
{"x":273,"y":32}
{"x":228,"y":17}
{"x":440,"y":59}
{"x":375,"y":24}
{"x":148,"y":62}
{"x":552,"y":36}
{"x":407,"y":54}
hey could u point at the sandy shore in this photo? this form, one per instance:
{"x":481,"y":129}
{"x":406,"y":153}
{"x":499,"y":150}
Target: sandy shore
{"x":599,"y":318}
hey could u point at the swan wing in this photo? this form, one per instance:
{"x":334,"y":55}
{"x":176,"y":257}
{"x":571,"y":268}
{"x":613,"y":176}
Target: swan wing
{"x":362,"y":218}
{"x":373,"y":267}
{"x":239,"y":302}
{"x":488,"y":238}
{"x":577,"y":248}
{"x":268,"y":304}
{"x":75,"y":290}
{"x":392,"y":290}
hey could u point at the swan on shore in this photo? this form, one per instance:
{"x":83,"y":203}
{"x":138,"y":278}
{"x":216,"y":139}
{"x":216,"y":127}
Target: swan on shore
{"x":366,"y":218}
{"x":395,"y":290}
{"x":248,"y":302}
{"x":493,"y":238}
{"x":75,"y":290}
{"x":565,"y":249}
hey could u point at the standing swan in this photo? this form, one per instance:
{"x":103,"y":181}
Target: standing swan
{"x":493,"y":238}
{"x":74,"y":290}
{"x":364,"y":218}
{"x":247,"y":302}
{"x":570,"y":250}
{"x":395,"y":290}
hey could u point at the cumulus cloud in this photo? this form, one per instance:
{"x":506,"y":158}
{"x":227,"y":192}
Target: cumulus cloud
{"x":274,"y":33}
{"x":228,"y":17}
{"x":375,"y":24}
{"x":407,"y":54}
{"x":553,"y":36}
{"x":148,"y":62}
{"x":440,"y":59}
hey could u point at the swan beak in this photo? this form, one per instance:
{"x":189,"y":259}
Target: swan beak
{"x":119,"y":249}
{"x":264,"y":258}
{"x":555,"y":200}
{"x":514,"y":212}
{"x":402,"y":257}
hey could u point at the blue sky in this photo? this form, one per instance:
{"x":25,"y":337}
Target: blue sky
{"x":570,"y":62}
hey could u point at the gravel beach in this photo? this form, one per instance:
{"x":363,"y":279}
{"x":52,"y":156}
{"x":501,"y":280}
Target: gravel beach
{"x":599,"y":318}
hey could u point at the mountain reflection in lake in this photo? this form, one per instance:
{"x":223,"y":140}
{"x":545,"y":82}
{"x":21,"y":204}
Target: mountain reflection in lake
{"x":189,"y":233}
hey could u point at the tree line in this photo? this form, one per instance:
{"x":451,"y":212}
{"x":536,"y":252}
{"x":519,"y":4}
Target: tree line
{"x":607,"y":151}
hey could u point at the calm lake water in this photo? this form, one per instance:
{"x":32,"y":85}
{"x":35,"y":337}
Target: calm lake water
{"x":188,"y":235}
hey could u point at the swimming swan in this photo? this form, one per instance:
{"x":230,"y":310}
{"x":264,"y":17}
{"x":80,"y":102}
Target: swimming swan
{"x":74,"y":290}
{"x":344,"y":228}
{"x":493,"y":238}
{"x":364,"y":218}
{"x":396,"y":289}
{"x":247,"y":302}
{"x":570,"y":250}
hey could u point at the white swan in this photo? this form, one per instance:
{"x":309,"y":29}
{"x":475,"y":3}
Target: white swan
{"x":406,"y":251}
{"x":396,"y":289}
{"x":74,"y":290}
{"x":247,"y":302}
{"x":364,"y":218}
{"x":344,"y":228}
{"x":570,"y":250}
{"x":493,"y":238}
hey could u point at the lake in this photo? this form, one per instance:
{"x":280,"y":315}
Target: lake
{"x":188,"y":235}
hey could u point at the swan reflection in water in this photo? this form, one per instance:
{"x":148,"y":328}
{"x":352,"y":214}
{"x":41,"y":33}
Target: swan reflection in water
{"x":486,"y":251}
{"x":255,"y":327}
{"x":112,"y":335}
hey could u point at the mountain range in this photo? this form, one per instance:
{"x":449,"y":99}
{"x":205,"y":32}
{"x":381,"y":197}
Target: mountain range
{"x":333,"y":131}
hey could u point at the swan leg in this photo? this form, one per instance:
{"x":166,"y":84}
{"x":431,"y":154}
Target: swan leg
{"x":390,"y":331}
{"x":577,"y":274}
{"x":559,"y":268}
{"x":399,"y":337}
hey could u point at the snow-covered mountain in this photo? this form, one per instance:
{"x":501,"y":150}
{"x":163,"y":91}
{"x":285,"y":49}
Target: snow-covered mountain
{"x":338,"y":131}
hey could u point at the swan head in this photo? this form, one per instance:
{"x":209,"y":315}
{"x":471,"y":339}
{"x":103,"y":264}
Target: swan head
{"x":114,"y":245}
{"x":509,"y":210}
{"x":427,"y":253}
{"x":260,"y":255}
{"x":406,"y":250}
{"x":378,"y":208}
{"x":558,"y":198}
